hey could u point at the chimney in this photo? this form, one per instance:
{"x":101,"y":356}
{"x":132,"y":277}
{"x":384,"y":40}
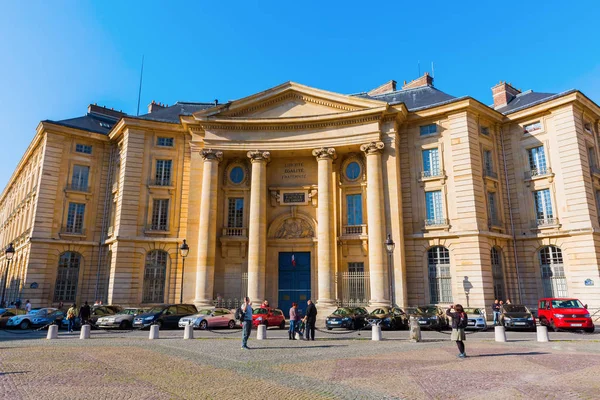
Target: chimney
{"x":503,"y":93}
{"x":388,"y":87}
{"x":154,"y":106}
{"x":105,"y":111}
{"x":425,"y":80}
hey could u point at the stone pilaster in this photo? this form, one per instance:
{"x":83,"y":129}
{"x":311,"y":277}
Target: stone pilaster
{"x":376,"y":226}
{"x":326,"y":237}
{"x":257,"y":230}
{"x":205,"y":266}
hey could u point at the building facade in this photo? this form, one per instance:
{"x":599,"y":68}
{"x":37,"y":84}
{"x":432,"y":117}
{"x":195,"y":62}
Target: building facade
{"x":291,"y":193}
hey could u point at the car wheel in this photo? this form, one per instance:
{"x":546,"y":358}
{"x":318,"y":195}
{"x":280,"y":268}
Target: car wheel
{"x":231,"y":324}
{"x":282,"y":325}
{"x":589,"y":330}
{"x":203,"y":324}
{"x":124,"y":325}
{"x":352,"y":326}
{"x":328,"y":328}
{"x":25,"y":324}
{"x":553,"y":327}
{"x":159,"y":323}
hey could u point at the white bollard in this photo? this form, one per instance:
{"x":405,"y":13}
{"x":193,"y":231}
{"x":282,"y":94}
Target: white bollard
{"x":52,"y":332}
{"x":415,"y":330}
{"x":500,"y":333}
{"x":153,"y":332}
{"x":188,"y":332}
{"x":85,"y":332}
{"x":261,"y":332}
{"x":376,"y":333}
{"x":542,"y":333}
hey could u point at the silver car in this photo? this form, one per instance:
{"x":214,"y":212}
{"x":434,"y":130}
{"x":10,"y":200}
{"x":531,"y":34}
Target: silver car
{"x":122,"y":320}
{"x":476,"y":317}
{"x":210,"y":318}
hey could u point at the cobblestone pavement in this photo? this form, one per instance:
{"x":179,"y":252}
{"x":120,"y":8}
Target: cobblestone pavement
{"x":116,"y":365}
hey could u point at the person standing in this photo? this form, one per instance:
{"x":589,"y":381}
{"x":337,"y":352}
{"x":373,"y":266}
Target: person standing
{"x":459,"y":322}
{"x":28,"y":306}
{"x":311,"y":319}
{"x":294,"y":317}
{"x":247,"y":322}
{"x":496,"y":311}
{"x":85,"y":313}
{"x":18,"y":303}
{"x":71,"y":314}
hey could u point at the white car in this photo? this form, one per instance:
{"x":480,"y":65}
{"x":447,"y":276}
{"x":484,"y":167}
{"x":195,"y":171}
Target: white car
{"x":476,"y":318}
{"x":25,"y":321}
{"x":210,"y":318}
{"x":122,"y":320}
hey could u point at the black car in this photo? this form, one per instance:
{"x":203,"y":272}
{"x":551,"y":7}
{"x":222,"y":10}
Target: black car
{"x":431,"y":316}
{"x":165,"y":316}
{"x":517,"y":316}
{"x":95,"y":313}
{"x":388,"y":318}
{"x":347,"y":317}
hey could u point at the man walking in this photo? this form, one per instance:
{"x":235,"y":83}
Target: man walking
{"x":310,"y":319}
{"x":247,"y":322}
{"x":28,"y":306}
{"x":496,"y":311}
{"x":84,"y":313}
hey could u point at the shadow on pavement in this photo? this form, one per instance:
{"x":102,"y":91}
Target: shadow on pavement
{"x":531,"y":353}
{"x":299,"y":347}
{"x":14,"y":372}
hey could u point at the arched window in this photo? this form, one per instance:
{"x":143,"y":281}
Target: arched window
{"x":497,"y":273}
{"x":440,"y":280}
{"x":154,"y":276}
{"x":65,"y":288}
{"x":553,"y":272}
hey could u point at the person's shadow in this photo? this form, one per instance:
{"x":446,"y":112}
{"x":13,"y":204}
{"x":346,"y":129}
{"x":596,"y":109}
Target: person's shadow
{"x":467,"y":286}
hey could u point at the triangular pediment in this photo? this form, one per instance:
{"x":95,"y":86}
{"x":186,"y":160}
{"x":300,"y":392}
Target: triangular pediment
{"x":290,"y":100}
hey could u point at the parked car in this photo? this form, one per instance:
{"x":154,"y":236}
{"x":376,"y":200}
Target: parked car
{"x":165,"y":316}
{"x":430,"y":316}
{"x":564,"y":313}
{"x":6,"y":314}
{"x":24,"y":321}
{"x":517,"y":316}
{"x":347,"y":317}
{"x":388,"y":318}
{"x":122,"y":320}
{"x":41,"y":319}
{"x":210,"y":318}
{"x":96,"y":312}
{"x":268,"y":316}
{"x":476,"y":318}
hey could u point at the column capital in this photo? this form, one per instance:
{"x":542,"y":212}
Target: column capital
{"x":325,"y":153}
{"x":259,"y":155}
{"x":372,"y":147}
{"x":210,"y":154}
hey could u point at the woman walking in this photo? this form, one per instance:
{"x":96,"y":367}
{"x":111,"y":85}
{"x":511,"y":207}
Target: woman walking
{"x":71,"y":314}
{"x":294,"y":318}
{"x":459,"y":323}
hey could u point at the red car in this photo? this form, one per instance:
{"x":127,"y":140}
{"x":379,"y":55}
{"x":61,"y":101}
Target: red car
{"x":268,"y":316}
{"x":564,"y":313}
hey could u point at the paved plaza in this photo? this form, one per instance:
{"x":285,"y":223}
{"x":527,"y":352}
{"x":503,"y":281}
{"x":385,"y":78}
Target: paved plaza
{"x":126,"y":365}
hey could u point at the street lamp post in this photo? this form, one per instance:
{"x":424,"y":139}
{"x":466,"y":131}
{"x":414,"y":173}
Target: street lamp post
{"x":184,"y":249}
{"x":389,"y":246}
{"x":9,"y":253}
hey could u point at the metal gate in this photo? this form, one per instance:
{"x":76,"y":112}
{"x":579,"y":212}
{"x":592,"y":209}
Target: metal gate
{"x":354,"y":289}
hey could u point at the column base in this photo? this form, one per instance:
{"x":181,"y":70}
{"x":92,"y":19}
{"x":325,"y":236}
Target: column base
{"x":380,"y":303}
{"x":203,"y":303}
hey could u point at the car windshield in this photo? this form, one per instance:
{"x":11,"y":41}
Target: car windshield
{"x":567,"y":304}
{"x":206,"y":312}
{"x":515,"y":308}
{"x":474,"y":310}
{"x":341,"y":311}
{"x":260,"y":311}
{"x":156,"y":310}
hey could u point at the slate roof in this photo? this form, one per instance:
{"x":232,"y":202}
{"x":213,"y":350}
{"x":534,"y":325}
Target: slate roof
{"x":414,"y":99}
{"x":89,"y":122}
{"x":172,"y":113}
{"x":529,"y":99}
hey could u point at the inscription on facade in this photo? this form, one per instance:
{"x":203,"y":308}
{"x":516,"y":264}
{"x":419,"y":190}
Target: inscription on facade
{"x":293,"y":170}
{"x":294,"y":197}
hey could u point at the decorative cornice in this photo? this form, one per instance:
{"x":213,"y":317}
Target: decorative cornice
{"x":210,"y":155}
{"x":324,"y":153}
{"x":259,"y":156}
{"x":283,"y":126}
{"x":372,"y":148}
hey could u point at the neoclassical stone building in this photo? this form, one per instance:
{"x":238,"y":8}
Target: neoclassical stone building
{"x":290,"y":194}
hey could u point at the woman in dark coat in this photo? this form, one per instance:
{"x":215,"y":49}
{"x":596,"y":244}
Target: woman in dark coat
{"x":459,"y":321}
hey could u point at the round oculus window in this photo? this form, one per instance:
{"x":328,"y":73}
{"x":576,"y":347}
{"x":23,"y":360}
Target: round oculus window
{"x":353,"y":170}
{"x":236,"y":175}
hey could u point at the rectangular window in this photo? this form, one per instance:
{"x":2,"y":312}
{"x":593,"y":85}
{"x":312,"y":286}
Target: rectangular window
{"x":160,"y":213}
{"x":492,"y":208}
{"x":485,"y":131}
{"x":433,"y":201}
{"x":79,"y":180}
{"x":537,"y":161}
{"x":428,"y":129}
{"x":354,"y":209}
{"x":75,"y":218}
{"x":235,"y":216}
{"x":592,"y":157}
{"x":83,"y":148}
{"x":163,"y":172}
{"x":533,"y":127}
{"x":356,"y":267}
{"x":431,"y":163}
{"x":488,"y":163}
{"x":164,"y":142}
{"x":543,"y":206}
{"x":598,"y":202}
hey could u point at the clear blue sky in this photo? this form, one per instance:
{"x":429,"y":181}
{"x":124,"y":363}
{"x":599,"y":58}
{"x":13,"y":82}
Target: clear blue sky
{"x":57,"y":57}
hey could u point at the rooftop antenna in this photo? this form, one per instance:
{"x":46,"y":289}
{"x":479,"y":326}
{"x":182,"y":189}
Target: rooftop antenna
{"x":432,"y":71}
{"x":140,"y":91}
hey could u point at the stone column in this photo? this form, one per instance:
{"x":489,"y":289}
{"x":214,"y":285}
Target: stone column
{"x":326,"y":237}
{"x":376,"y":226}
{"x":207,"y":235}
{"x":257,"y":230}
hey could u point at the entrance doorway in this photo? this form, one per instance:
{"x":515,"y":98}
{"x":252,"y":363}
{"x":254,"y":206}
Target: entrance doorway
{"x":294,"y":281}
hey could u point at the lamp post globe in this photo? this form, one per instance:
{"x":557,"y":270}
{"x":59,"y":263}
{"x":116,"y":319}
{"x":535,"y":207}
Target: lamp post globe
{"x":184,"y":249}
{"x":8,"y":253}
{"x":389,"y":244}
